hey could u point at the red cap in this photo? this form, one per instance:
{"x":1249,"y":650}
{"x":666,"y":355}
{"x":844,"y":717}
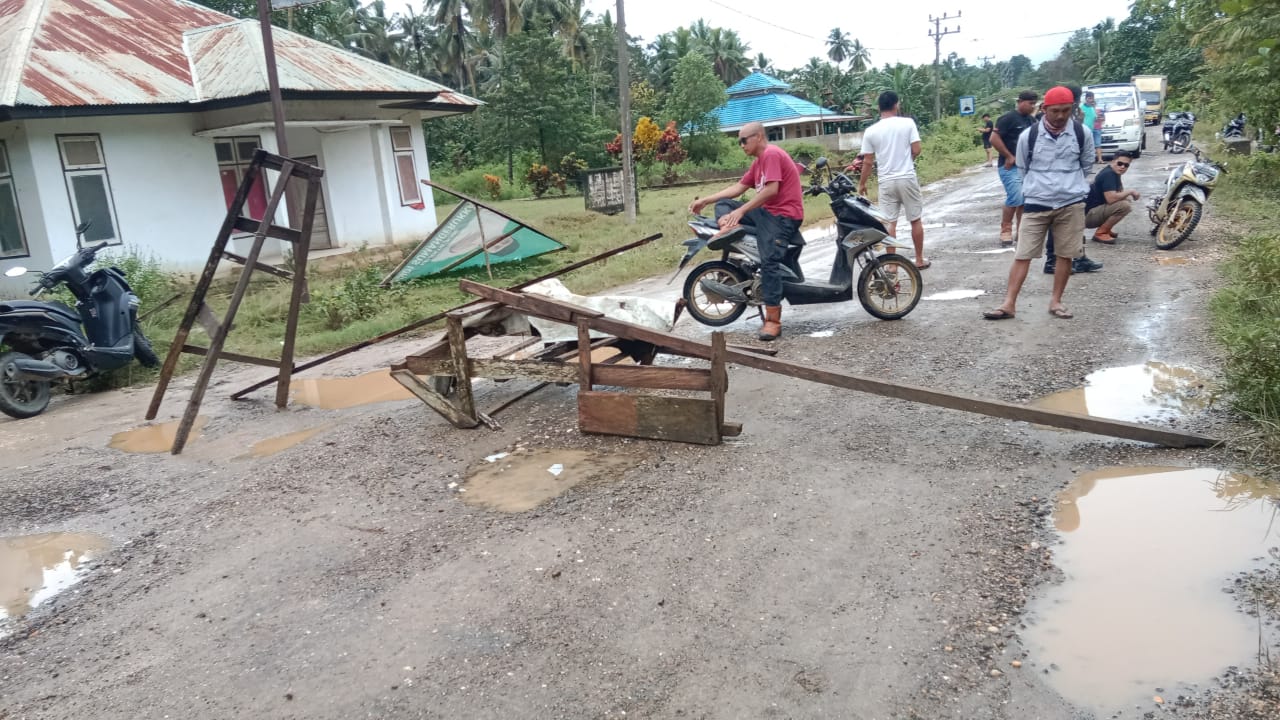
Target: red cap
{"x":1059,"y":96}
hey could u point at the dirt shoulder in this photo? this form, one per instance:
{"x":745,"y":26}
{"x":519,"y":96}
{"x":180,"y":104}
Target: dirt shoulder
{"x":846,"y":557}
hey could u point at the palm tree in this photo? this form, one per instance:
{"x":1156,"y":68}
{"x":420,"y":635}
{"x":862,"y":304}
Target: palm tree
{"x":498,"y":17}
{"x":859,"y":58}
{"x":838,"y":46}
{"x":456,"y":41}
{"x":726,"y":51}
{"x":763,"y":64}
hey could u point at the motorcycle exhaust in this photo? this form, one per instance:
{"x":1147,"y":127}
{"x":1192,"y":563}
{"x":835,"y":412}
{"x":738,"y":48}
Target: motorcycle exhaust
{"x":32,"y":369}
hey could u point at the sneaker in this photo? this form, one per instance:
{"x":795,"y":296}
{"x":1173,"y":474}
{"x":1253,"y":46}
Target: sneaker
{"x":1050,"y":263}
{"x":1085,"y":265}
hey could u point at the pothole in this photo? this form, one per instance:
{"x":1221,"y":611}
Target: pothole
{"x":1146,"y":552}
{"x":521,"y":480}
{"x":955,"y":295}
{"x":345,"y":392}
{"x":280,"y":443}
{"x":34,"y":568}
{"x":1152,"y":391}
{"x":154,"y":438}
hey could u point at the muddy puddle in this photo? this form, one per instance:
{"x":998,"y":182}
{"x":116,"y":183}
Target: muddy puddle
{"x":154,"y":438}
{"x":521,"y":480}
{"x":1152,"y":391}
{"x":34,"y":568}
{"x":996,"y":251}
{"x":339,"y":393}
{"x":280,"y":443}
{"x":955,"y":295}
{"x":1171,"y":260}
{"x":1146,"y":553}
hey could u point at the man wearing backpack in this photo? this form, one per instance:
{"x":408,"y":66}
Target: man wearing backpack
{"x":1081,"y":264}
{"x":1053,"y":156}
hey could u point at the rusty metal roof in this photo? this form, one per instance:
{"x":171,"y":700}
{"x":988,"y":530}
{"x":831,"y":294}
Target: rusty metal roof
{"x":76,"y":53}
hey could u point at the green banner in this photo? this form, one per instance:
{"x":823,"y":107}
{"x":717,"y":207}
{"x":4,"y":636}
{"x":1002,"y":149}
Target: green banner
{"x":465,"y":237}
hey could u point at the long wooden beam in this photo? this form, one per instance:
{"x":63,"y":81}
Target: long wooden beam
{"x":552,"y":309}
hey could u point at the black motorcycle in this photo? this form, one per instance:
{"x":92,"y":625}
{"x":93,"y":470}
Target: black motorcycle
{"x":49,"y":341}
{"x":889,"y":286}
{"x":1177,"y":131}
{"x":1234,"y":129}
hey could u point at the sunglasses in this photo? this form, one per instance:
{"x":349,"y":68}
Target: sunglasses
{"x":743,"y":140}
{"x":1120,"y":164}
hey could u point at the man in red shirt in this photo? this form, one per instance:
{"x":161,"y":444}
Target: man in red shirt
{"x":776,"y":211}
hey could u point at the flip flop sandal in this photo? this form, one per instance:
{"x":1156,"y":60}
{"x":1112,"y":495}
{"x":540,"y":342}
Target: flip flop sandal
{"x":927,"y":264}
{"x":1061,"y":313}
{"x":998,"y":314}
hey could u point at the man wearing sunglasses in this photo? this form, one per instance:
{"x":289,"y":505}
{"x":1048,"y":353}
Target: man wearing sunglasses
{"x":1108,"y":201}
{"x":775,"y":211}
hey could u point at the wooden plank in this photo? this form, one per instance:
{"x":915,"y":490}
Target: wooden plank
{"x":955,"y":401}
{"x":494,"y":369}
{"x":249,"y":225}
{"x":234,"y":357}
{"x":458,"y":351}
{"x":257,"y":266}
{"x":584,"y":355}
{"x":434,"y":400}
{"x":652,"y":417}
{"x":473,"y":309}
{"x":648,"y":376}
{"x":298,"y":294}
{"x":719,"y":376}
{"x":276,"y":162}
{"x":517,"y":398}
{"x":730,"y":429}
{"x":388,"y":335}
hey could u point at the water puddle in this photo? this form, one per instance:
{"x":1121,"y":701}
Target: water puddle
{"x":34,"y":568}
{"x":154,"y":438}
{"x":822,"y":333}
{"x":936,"y":225}
{"x":1171,"y":260}
{"x":997,"y":251}
{"x":1153,"y":391}
{"x":523,"y":479}
{"x":280,"y":443}
{"x":955,"y":295}
{"x":1146,"y":552}
{"x":346,"y":392}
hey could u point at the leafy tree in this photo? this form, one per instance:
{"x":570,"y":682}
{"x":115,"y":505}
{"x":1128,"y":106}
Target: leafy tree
{"x":839,"y":47}
{"x":695,"y":92}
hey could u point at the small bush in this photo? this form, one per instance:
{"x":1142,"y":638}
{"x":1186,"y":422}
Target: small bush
{"x":541,"y":178}
{"x":1245,"y":312}
{"x":357,"y":297}
{"x":472,"y":182}
{"x":493,"y":187}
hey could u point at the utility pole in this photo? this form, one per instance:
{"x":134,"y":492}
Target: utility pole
{"x":984,"y":59}
{"x":624,"y":113}
{"x":937,"y":34}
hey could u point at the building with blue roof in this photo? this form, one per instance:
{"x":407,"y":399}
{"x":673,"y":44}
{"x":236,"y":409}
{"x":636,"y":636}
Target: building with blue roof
{"x":767,"y":100}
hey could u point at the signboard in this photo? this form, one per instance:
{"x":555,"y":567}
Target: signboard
{"x":968,"y":105}
{"x":474,"y":235}
{"x":602,"y":190}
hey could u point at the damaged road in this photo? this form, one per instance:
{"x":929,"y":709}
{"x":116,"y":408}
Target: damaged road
{"x":848,"y":556}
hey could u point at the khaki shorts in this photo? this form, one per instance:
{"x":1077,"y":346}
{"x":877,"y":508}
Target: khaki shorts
{"x":901,"y":196}
{"x":1099,"y":215}
{"x":1067,"y":224}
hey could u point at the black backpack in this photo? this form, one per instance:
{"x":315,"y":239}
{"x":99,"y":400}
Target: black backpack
{"x":1035,"y":131}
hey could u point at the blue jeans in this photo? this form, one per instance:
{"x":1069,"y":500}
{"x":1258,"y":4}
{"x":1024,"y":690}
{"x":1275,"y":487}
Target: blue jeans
{"x":1012,"y":181}
{"x":773,"y":235}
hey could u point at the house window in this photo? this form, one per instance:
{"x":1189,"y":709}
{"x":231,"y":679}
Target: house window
{"x":235,"y":154}
{"x":775,"y":134}
{"x":406,"y":168}
{"x":85,"y":170}
{"x":13,"y":242}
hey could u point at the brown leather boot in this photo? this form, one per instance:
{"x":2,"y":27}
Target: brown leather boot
{"x":772,"y":328}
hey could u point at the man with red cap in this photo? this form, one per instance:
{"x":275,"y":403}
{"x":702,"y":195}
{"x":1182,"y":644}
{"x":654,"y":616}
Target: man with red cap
{"x":1053,"y":157}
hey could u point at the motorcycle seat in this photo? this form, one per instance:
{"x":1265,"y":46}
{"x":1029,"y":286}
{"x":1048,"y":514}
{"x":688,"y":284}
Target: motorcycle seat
{"x":35,"y":306}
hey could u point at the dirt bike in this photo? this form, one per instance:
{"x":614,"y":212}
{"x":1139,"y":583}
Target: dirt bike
{"x":1175,"y":215}
{"x":718,"y":292}
{"x":47,"y":342}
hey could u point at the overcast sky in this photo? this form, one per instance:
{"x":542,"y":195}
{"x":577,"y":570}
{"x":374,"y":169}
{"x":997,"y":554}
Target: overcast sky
{"x":791,"y":32}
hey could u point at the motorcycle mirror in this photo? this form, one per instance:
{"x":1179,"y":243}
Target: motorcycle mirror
{"x":822,"y":162}
{"x":82,"y":227}
{"x":15,"y":271}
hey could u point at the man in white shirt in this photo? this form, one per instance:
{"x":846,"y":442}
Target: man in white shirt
{"x":892,"y":144}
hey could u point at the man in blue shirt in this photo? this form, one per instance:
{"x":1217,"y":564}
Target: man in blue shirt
{"x":1053,"y":161}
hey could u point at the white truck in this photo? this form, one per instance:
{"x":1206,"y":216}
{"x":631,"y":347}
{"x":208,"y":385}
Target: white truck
{"x":1153,"y":89}
{"x":1122,"y":122}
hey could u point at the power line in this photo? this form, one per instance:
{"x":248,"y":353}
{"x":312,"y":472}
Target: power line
{"x":937,"y":33}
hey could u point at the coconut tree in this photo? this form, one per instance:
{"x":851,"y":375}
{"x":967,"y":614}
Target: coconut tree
{"x":762,"y":64}
{"x":839,"y":46}
{"x":858,"y":56}
{"x":456,"y":40}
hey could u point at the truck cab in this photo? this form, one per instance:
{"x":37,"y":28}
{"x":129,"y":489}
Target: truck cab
{"x":1152,"y":89}
{"x":1123,"y":126}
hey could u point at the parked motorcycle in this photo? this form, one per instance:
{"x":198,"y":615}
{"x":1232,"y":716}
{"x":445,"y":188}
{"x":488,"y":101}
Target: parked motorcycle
{"x":47,"y":342}
{"x":889,"y":286}
{"x":1175,"y":215}
{"x":1177,"y":131}
{"x":1234,"y":128}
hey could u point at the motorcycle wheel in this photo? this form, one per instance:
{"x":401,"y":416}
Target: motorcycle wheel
{"x":1179,"y":143}
{"x":1178,"y":224}
{"x":20,"y":398}
{"x":712,"y":310}
{"x":890,"y":286}
{"x":143,"y":351}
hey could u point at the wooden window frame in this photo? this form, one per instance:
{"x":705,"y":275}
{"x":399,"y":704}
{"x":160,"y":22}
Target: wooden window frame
{"x":99,"y":168}
{"x":240,"y":165}
{"x":8,"y":185}
{"x":406,"y":151}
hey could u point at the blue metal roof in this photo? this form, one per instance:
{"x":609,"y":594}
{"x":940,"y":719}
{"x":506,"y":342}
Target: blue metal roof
{"x":757,"y":82}
{"x":768,"y":108}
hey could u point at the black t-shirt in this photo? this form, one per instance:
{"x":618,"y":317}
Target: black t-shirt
{"x":1106,"y":180}
{"x":986,"y":132}
{"x":1010,"y":126}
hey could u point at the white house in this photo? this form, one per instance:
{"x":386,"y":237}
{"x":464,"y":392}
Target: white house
{"x":142,"y":115}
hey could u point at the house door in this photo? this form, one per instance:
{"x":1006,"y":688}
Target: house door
{"x":296,"y":197}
